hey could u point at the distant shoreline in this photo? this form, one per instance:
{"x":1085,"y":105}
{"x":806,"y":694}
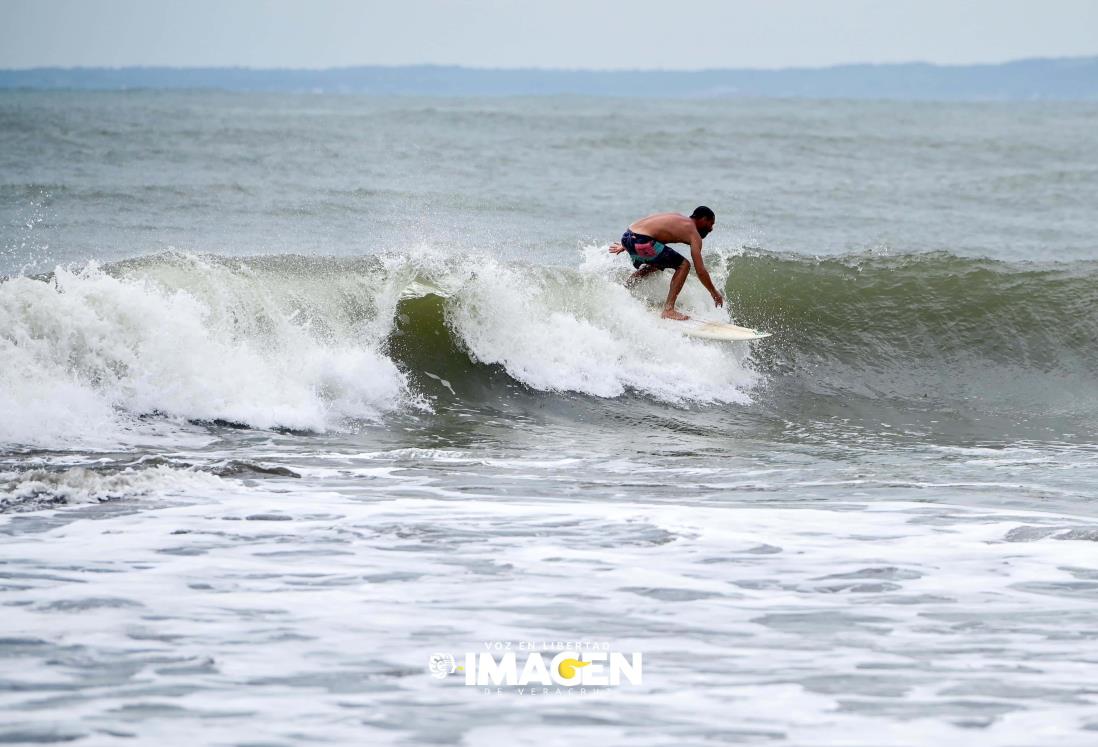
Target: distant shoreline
{"x":1067,"y":79}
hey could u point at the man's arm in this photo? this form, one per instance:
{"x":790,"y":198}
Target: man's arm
{"x":699,"y":268}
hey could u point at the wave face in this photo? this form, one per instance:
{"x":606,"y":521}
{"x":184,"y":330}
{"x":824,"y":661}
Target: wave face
{"x":133,"y":352}
{"x":928,"y":329}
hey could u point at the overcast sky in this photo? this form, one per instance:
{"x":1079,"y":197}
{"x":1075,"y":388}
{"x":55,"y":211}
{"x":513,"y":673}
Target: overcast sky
{"x":672,"y":34}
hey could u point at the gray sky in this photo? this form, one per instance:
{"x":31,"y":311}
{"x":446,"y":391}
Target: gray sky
{"x":672,"y":34}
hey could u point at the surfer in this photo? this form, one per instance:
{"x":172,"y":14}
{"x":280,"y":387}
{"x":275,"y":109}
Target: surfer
{"x":646,"y":241}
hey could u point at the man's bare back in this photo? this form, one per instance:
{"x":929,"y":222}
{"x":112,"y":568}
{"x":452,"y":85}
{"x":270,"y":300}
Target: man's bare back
{"x":670,"y":228}
{"x":645,"y":242}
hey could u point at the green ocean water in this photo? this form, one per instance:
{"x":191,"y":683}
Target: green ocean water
{"x":297,"y":391}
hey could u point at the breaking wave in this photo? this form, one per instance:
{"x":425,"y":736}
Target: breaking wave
{"x":143,"y":349}
{"x":117,"y":353}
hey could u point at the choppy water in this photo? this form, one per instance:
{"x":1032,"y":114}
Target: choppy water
{"x":296,"y":392}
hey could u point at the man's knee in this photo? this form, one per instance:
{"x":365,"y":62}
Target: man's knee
{"x":684,"y":267}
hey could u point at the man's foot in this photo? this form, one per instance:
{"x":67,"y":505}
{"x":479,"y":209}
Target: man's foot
{"x":676,"y":315}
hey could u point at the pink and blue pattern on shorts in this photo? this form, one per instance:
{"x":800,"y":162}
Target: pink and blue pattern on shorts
{"x":641,"y":247}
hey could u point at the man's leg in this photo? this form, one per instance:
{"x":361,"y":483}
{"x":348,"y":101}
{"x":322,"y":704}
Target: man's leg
{"x":639,"y":275}
{"x":677,"y":281}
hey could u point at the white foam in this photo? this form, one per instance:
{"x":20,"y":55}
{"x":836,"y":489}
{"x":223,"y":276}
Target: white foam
{"x":893,"y":622}
{"x":85,"y":353}
{"x":83,"y":485}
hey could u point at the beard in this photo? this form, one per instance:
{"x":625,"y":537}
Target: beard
{"x":703,"y":232}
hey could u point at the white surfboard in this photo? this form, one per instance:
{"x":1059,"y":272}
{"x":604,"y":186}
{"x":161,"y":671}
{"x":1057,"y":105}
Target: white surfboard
{"x":719,"y":331}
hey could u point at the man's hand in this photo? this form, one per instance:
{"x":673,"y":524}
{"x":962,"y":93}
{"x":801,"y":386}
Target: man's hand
{"x":718,"y":299}
{"x":616,"y":248}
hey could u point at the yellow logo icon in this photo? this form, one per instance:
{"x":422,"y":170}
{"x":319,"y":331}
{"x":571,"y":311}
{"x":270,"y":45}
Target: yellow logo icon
{"x":568,"y":667}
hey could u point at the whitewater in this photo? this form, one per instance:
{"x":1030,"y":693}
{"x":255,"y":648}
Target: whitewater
{"x":300,"y":392}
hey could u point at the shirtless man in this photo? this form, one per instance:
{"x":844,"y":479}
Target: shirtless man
{"x":646,"y":242}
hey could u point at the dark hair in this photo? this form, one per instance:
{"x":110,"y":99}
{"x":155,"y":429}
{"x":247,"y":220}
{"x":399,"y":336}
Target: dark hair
{"x":701,"y":211}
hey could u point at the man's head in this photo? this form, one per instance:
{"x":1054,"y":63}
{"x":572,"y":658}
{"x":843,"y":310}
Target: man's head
{"x":703,"y":218}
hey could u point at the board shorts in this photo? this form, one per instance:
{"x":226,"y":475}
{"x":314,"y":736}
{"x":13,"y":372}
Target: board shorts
{"x":646,"y":251}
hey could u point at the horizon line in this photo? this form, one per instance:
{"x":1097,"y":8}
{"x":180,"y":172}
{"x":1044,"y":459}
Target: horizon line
{"x":438,"y":65}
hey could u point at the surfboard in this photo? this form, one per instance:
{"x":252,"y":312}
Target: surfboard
{"x":719,"y":331}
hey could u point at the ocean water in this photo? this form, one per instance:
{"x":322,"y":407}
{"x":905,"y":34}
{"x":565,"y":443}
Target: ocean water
{"x":297,"y":392}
